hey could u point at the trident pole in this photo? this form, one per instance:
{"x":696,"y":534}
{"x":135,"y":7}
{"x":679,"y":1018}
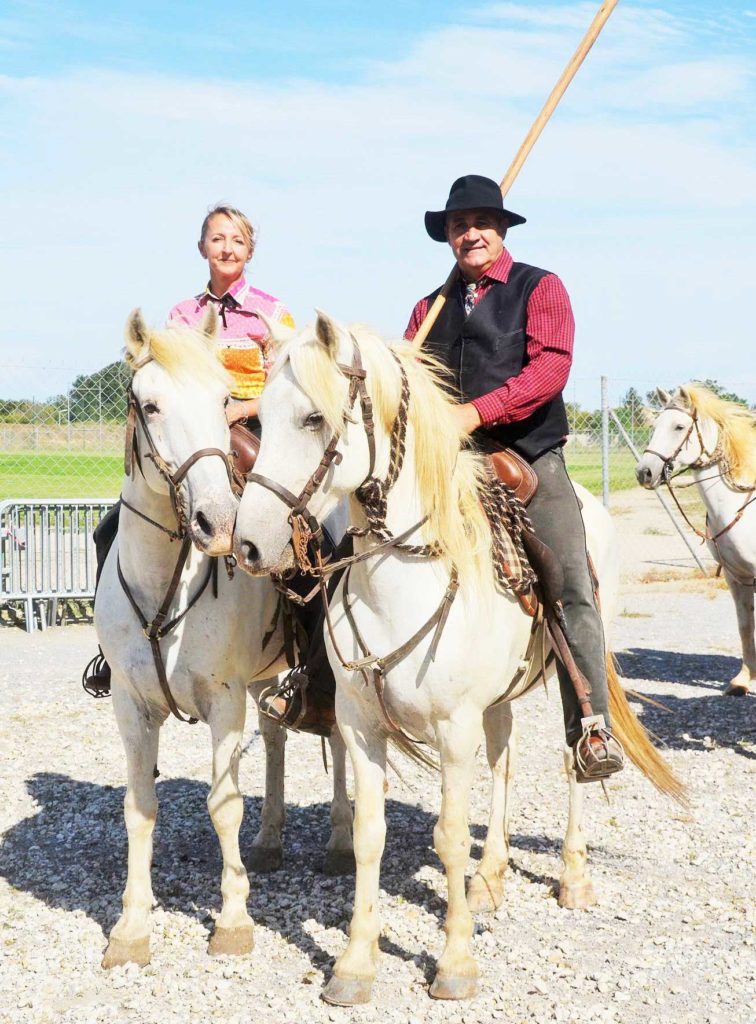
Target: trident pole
{"x":529,"y":141}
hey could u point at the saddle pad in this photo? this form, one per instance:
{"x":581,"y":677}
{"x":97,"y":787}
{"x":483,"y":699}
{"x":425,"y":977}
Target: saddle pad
{"x":515,"y":472}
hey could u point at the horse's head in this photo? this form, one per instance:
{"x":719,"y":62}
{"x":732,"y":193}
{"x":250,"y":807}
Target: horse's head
{"x":178,"y":435}
{"x":314,"y":419}
{"x":682,"y":438}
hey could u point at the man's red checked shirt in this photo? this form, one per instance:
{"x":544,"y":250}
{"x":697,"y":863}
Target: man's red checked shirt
{"x":550,"y":333}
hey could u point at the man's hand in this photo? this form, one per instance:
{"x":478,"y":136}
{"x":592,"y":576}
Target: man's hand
{"x":468,"y":417}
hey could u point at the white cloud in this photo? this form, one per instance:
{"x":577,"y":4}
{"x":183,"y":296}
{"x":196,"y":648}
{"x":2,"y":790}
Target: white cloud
{"x":633,"y":200}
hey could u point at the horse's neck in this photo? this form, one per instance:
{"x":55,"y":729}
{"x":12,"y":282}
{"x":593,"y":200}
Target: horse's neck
{"x":722,"y":501}
{"x":147,"y":554}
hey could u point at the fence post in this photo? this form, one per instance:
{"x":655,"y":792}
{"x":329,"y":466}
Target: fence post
{"x":605,"y":441}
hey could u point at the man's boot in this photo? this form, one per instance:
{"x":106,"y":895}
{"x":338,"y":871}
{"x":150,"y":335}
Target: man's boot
{"x":295,"y":705}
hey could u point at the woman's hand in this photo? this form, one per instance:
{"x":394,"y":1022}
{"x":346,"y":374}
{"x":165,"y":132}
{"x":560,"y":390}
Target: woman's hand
{"x":236,"y":411}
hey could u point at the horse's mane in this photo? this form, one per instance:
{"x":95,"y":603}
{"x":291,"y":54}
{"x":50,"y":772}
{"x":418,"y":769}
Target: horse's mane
{"x":448,"y":478}
{"x":737,"y":429}
{"x":183,"y":352}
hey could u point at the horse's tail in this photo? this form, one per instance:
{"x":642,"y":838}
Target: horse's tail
{"x":636,"y":741}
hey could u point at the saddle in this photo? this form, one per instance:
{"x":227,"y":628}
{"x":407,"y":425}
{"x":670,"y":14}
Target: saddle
{"x":515,"y":472}
{"x":244,"y":448}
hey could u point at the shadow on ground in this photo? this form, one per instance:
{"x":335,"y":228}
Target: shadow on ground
{"x":703,"y":723}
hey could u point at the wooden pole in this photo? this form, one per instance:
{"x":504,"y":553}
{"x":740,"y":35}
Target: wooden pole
{"x":549,"y":106}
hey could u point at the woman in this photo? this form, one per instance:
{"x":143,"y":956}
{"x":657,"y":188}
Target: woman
{"x":227,"y":242}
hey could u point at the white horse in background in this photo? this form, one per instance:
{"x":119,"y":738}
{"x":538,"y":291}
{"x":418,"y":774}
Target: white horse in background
{"x":715,"y":439}
{"x":222,"y":645}
{"x":445,"y":699}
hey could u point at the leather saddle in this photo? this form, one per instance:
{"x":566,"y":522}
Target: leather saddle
{"x":244,"y":448}
{"x":515,"y":472}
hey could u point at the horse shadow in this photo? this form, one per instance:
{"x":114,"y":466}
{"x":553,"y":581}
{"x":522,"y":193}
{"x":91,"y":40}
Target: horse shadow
{"x":71,"y":854}
{"x":700,"y":723}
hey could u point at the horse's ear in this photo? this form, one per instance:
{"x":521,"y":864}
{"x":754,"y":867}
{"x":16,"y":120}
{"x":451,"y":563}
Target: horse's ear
{"x":664,"y":396}
{"x":137,"y":336}
{"x":209,"y":323}
{"x":327,"y":333}
{"x":278,"y":333}
{"x":683,"y":395}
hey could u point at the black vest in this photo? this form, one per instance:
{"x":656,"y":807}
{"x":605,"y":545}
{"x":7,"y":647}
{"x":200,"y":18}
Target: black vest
{"x":488,"y":347}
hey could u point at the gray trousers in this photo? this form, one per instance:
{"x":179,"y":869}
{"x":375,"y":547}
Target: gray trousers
{"x":555,"y":512}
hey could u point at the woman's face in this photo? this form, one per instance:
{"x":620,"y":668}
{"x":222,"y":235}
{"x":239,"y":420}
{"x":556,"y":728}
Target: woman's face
{"x":225,"y":248}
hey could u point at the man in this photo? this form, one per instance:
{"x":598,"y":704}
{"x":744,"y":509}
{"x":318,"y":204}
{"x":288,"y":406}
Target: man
{"x":506,"y":333}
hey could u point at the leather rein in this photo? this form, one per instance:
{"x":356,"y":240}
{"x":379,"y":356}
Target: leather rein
{"x":307,"y":534}
{"x":704,"y":460}
{"x":157,"y":628}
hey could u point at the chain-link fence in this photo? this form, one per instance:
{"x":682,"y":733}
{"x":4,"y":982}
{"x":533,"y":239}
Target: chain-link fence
{"x":70,"y":445}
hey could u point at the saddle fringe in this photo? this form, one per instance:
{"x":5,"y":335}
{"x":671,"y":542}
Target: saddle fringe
{"x":637,"y":743}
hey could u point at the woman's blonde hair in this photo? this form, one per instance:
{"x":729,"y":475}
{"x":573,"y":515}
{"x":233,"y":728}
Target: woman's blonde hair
{"x":237,"y":218}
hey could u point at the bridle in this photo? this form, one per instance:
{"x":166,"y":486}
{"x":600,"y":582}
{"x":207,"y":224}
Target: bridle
{"x":704,"y":460}
{"x":306,"y":529}
{"x":157,"y":628}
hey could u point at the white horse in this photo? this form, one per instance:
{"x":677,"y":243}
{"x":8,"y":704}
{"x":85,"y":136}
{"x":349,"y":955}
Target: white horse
{"x":716,"y":440}
{"x":230,"y":637}
{"x":443,"y":697}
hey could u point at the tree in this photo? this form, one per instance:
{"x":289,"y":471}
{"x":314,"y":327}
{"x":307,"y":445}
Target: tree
{"x":100,"y":395}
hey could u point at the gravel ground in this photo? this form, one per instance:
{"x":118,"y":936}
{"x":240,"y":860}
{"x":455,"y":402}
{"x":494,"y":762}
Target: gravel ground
{"x":672,"y":939}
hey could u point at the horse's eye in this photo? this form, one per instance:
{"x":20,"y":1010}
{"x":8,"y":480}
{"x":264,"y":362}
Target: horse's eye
{"x":314,"y":421}
{"x":226,"y":400}
{"x":150,"y":408}
{"x":680,"y":426}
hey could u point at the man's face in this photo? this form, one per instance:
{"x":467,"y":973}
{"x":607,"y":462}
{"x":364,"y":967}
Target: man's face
{"x":476,"y":238}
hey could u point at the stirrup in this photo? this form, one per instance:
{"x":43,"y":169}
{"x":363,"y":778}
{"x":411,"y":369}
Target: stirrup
{"x":293,"y":685}
{"x":95,"y":681}
{"x":595,"y":761}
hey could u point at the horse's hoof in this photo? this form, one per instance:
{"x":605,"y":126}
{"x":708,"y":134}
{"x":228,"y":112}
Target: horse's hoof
{"x":483,"y":897}
{"x":339,"y":862}
{"x":347,"y":991}
{"x":231,"y":941}
{"x":445,"y":987}
{"x":263,"y":859}
{"x":737,"y":690}
{"x":119,"y":953}
{"x":577,"y":895}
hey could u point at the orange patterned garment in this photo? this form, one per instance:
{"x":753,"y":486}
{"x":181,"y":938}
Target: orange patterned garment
{"x":242,"y":334}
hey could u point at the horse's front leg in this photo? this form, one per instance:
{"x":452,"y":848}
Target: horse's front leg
{"x":575,"y":885}
{"x":740,"y":685}
{"x":458,"y":740}
{"x":233,"y":933}
{"x":266,"y":853}
{"x":486,"y":889}
{"x":354,"y":971}
{"x":339,"y":858}
{"x":129,"y":940}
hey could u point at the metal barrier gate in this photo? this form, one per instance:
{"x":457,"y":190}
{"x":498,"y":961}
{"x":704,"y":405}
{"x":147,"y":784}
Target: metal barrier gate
{"x":47,"y":553}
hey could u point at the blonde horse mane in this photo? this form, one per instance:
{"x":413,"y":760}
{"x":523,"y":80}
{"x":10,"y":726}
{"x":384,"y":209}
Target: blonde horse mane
{"x":448,"y":478}
{"x":184,"y":353}
{"x":737,"y":429}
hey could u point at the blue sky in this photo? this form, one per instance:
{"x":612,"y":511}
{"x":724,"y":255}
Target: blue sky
{"x":335,"y":126}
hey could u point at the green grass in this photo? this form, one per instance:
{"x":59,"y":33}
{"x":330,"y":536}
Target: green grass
{"x":60,"y":475}
{"x":584,"y":465}
{"x":89,"y":475}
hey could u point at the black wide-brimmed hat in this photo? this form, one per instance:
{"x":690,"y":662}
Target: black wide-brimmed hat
{"x":472,"y":192}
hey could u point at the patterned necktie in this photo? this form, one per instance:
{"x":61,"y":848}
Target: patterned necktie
{"x":470,"y":296}
{"x":227,"y":302}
